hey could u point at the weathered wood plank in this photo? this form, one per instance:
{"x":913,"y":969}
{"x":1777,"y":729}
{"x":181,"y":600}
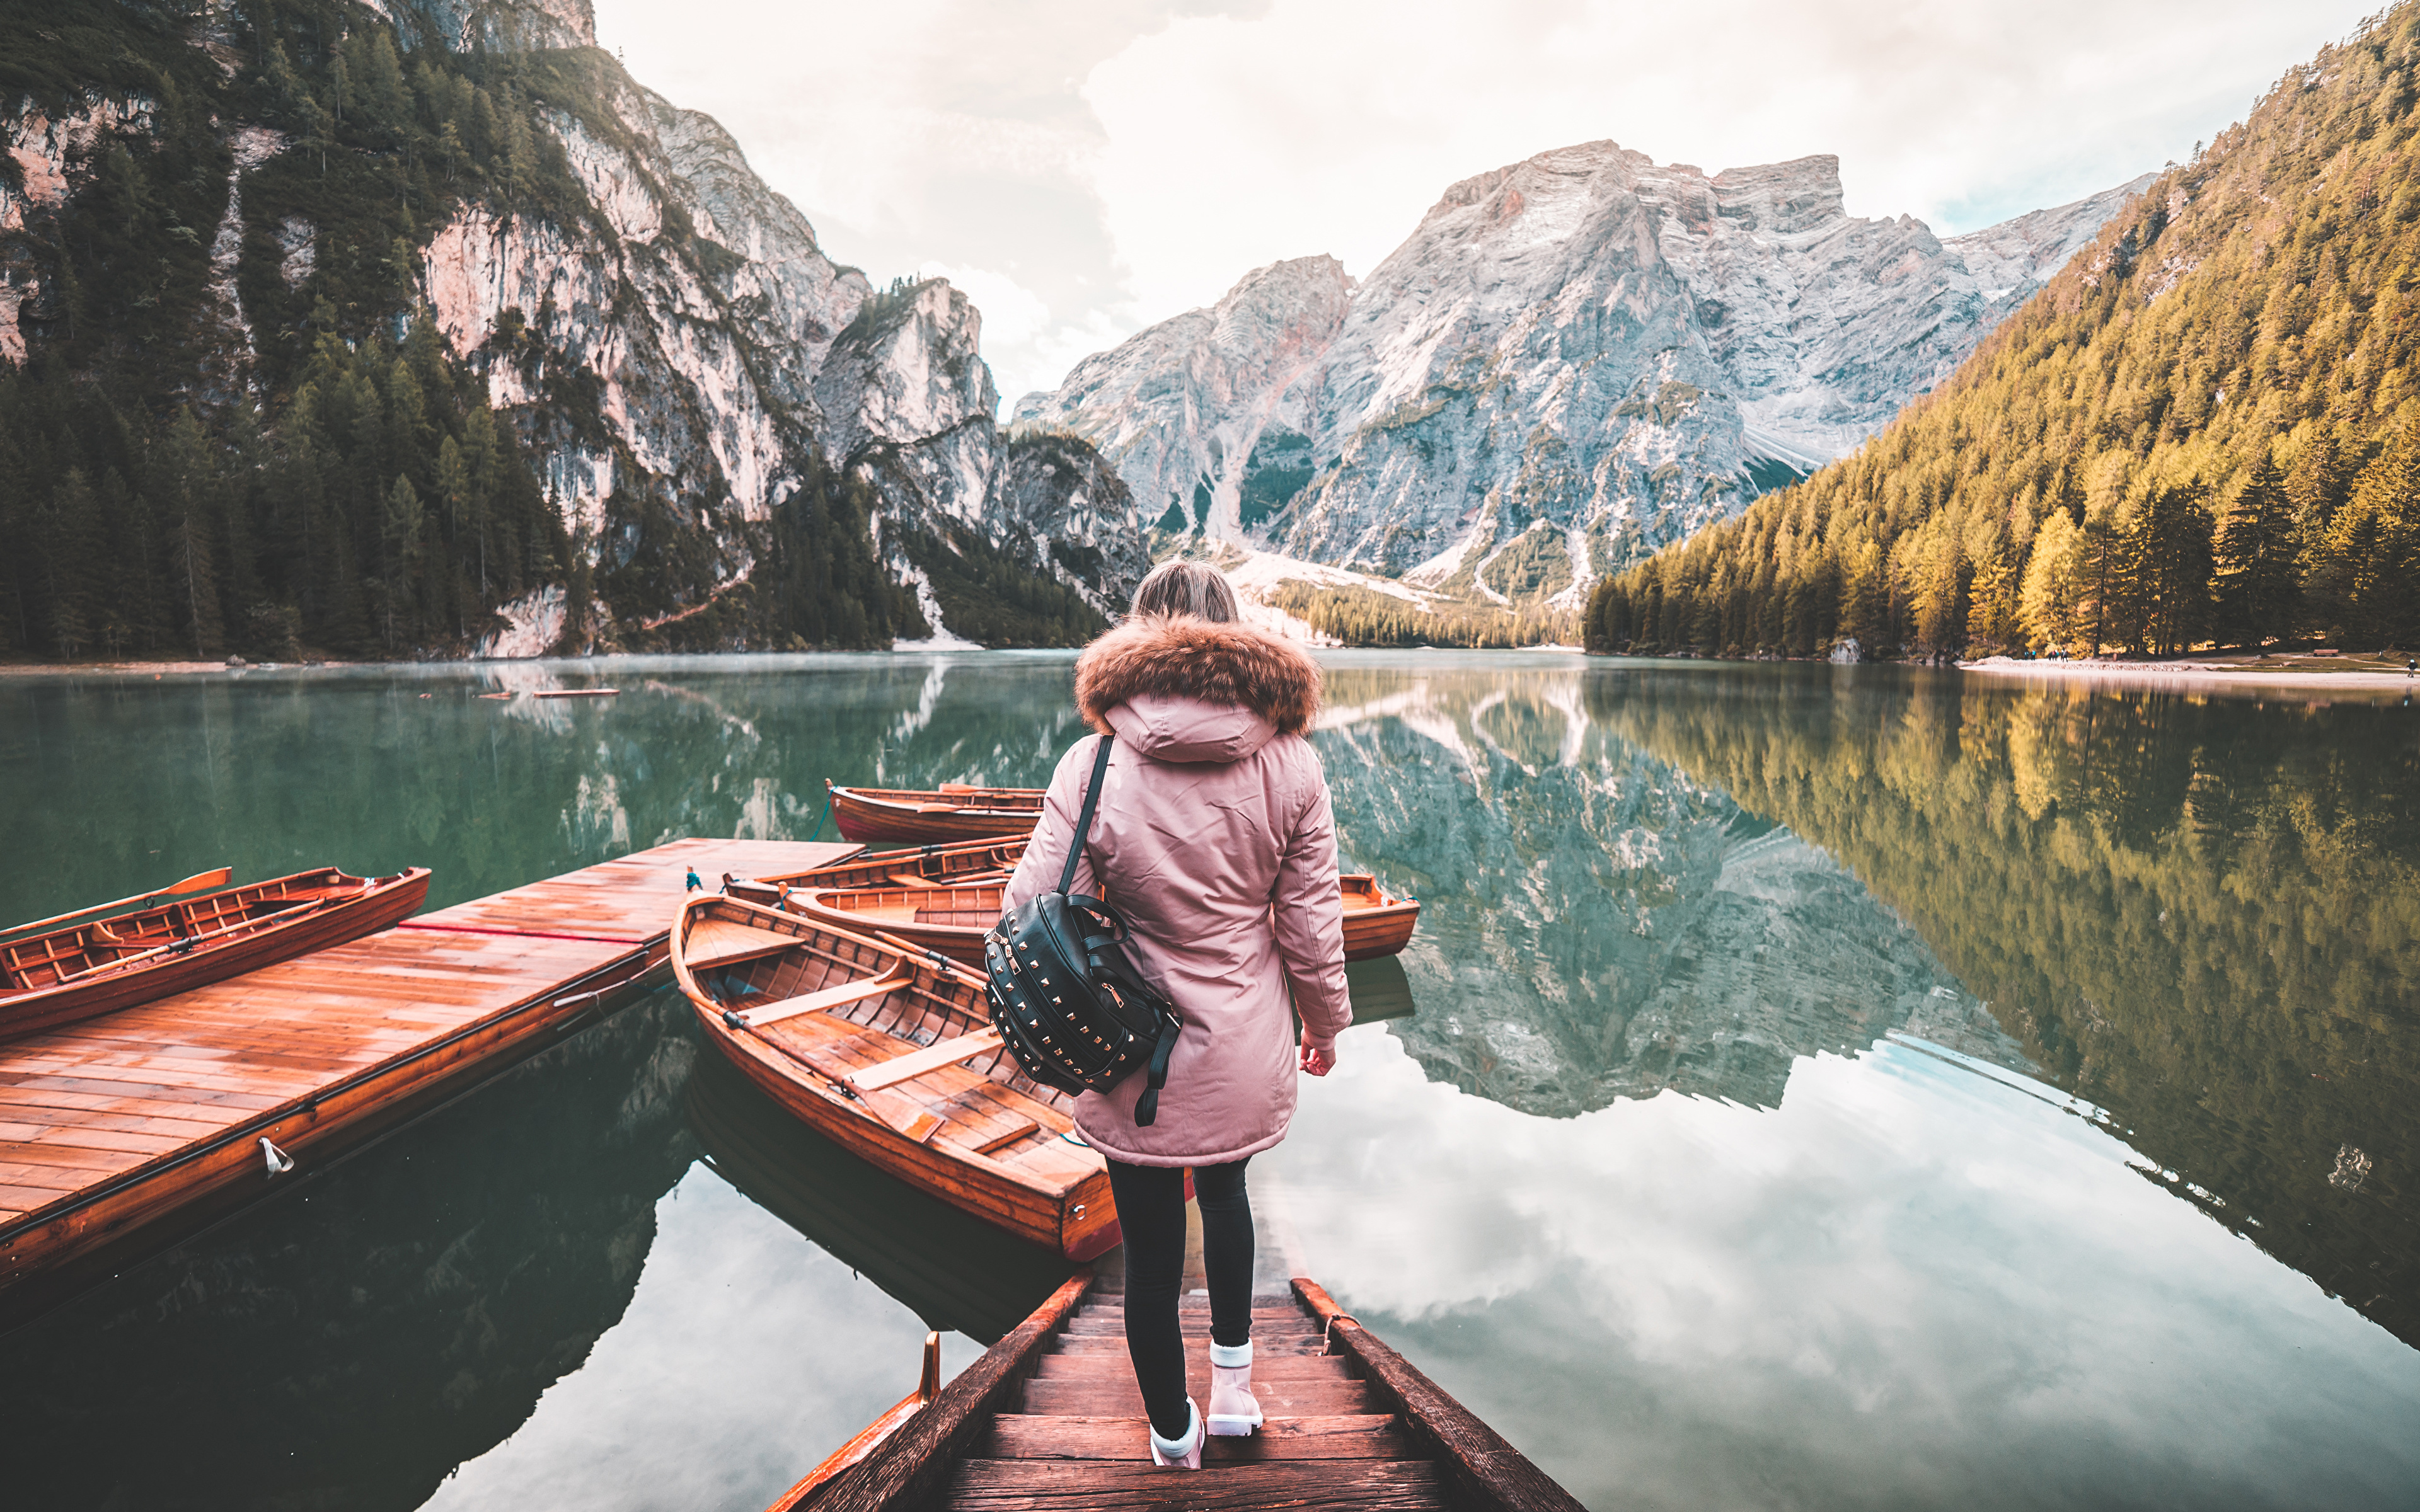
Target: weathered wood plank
{"x":1265,"y":1345}
{"x":1345,"y":1436}
{"x":1291,"y":1398}
{"x":1019,"y":1485}
{"x":1055,"y":1365}
{"x":946,"y":1054}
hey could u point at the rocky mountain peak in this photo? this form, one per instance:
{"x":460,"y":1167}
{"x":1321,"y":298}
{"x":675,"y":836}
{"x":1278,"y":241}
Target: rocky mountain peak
{"x":1200,"y":414}
{"x":1574,"y":360}
{"x":1801,"y":197}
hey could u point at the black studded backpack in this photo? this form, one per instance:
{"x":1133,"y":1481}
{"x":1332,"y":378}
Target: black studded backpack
{"x":1066,"y":1001}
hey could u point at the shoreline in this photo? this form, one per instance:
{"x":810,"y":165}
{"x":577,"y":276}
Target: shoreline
{"x":137,"y":668}
{"x":2302,"y":674}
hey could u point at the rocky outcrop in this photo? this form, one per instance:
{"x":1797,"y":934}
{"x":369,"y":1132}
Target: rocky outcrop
{"x":51,"y":152}
{"x":1071,"y":512}
{"x":1573,"y":360}
{"x":1204,"y":415}
{"x":694,"y":351}
{"x":515,"y":25}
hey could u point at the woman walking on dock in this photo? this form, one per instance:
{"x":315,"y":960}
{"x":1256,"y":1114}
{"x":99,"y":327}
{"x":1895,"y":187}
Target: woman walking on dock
{"x":1213,"y":838}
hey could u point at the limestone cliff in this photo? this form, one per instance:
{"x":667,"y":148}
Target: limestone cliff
{"x":1573,"y":360}
{"x":726,"y":348}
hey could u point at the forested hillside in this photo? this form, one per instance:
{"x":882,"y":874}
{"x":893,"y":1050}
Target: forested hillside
{"x":1364,"y":617}
{"x":249,"y":442}
{"x":2204,"y":429}
{"x":238,"y":413}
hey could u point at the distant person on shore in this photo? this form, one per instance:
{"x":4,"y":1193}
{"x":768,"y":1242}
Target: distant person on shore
{"x":1215,"y":840}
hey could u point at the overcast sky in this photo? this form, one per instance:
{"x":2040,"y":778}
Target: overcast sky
{"x":1085,"y":167}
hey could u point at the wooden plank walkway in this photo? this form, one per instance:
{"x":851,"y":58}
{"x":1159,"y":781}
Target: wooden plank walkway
{"x":118,"y":1129}
{"x":1050,"y":1418}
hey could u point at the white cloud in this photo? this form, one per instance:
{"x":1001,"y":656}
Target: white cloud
{"x":1120,"y":161}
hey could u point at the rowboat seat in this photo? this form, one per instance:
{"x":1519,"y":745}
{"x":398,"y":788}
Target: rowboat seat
{"x":947,"y":1103}
{"x":719,"y":943}
{"x":829,"y":997}
{"x":916,"y":1063}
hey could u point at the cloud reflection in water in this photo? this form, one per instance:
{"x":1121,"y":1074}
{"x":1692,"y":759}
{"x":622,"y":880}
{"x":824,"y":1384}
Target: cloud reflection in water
{"x":743,"y":1357}
{"x":1908,"y":1285}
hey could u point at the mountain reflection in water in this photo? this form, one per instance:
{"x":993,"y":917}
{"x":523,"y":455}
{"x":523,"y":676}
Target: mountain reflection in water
{"x":1595,"y":924}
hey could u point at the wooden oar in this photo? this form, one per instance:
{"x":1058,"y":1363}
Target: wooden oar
{"x":190,"y":941}
{"x":198,"y":881}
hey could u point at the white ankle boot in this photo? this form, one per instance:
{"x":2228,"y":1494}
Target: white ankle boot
{"x":1234,"y":1412}
{"x":1180,"y":1454}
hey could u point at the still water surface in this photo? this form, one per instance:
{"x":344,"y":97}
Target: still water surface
{"x":1810,"y":1086}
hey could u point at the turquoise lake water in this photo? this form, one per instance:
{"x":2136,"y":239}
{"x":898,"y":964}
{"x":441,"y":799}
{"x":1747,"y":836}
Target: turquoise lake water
{"x":1808,"y":1088}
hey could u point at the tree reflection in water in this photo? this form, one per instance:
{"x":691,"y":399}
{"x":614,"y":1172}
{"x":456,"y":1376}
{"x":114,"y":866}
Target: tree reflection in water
{"x":2201,"y":914}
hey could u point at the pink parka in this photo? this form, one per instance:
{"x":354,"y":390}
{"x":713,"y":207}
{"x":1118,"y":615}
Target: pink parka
{"x":1215,"y":840}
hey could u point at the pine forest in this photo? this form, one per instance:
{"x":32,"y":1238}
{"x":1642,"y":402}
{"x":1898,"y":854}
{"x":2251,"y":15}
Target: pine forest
{"x":2203,"y":432}
{"x":338,"y":483}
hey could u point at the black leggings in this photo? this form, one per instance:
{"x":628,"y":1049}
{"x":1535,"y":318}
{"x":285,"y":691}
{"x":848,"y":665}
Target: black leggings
{"x":1151,"y":1210}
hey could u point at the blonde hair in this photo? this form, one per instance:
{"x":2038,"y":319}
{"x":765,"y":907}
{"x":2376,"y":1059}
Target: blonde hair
{"x":1192,"y":588}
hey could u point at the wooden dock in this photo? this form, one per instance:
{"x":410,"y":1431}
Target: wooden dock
{"x":122,"y":1132}
{"x":1051,"y":1418}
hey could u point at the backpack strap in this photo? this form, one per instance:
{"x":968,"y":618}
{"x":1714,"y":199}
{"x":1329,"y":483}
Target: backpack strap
{"x":1084,"y":822}
{"x":1147,"y":1105}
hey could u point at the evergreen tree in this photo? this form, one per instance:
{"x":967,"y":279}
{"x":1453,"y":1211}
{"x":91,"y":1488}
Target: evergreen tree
{"x":2259,"y":583}
{"x":2164,"y":580}
{"x":2367,"y":566}
{"x":71,"y":563}
{"x":184,"y":473}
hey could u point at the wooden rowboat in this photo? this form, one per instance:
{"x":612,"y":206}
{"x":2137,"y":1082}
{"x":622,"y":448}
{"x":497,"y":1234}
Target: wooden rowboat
{"x":918,"y":866}
{"x":76,"y":972}
{"x":1377,"y":922}
{"x":951,"y":920}
{"x":889,"y":1053}
{"x":950,"y":814}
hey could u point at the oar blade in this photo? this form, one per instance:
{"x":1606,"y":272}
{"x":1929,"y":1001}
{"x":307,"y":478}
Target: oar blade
{"x":198,"y":881}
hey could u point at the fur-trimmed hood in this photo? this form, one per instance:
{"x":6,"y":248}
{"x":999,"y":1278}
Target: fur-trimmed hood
{"x":1151,"y":658}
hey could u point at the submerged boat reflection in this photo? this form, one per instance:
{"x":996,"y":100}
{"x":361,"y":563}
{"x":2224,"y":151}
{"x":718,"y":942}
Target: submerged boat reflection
{"x":1380,"y":989}
{"x":955,"y":1270}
